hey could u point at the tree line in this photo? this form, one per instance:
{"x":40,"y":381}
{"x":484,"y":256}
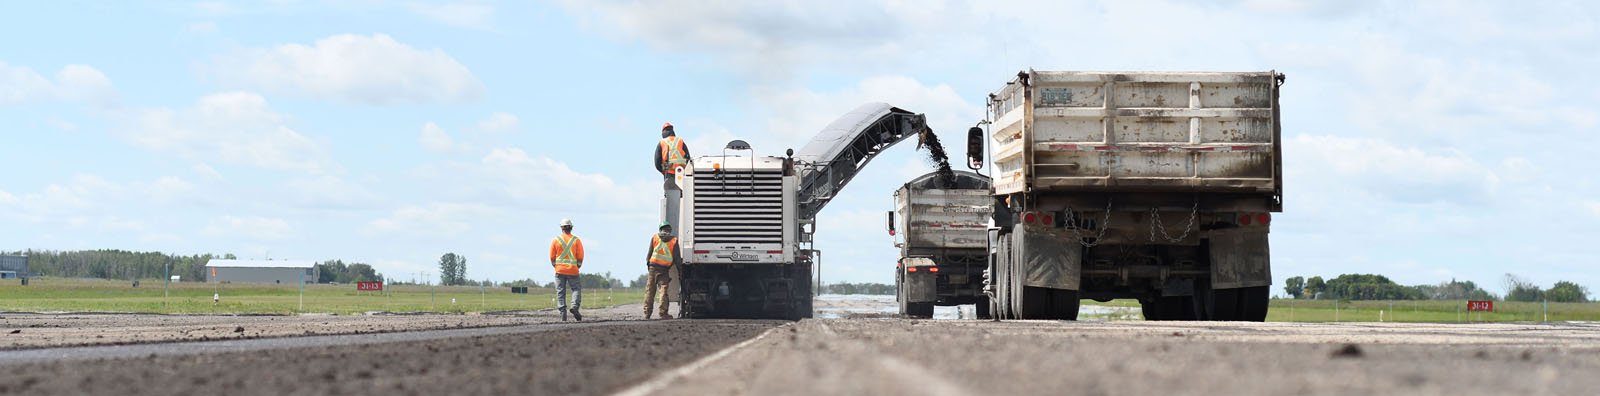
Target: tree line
{"x":1379,"y":287}
{"x":858,"y":288}
{"x":123,"y":264}
{"x":336,"y":271}
{"x":115,"y":264}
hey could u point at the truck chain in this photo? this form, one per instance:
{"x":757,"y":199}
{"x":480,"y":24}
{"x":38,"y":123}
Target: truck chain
{"x":1155,"y":224}
{"x":1105,"y":224}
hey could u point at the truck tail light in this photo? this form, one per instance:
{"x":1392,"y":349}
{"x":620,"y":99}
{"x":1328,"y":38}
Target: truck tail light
{"x":774,"y":252}
{"x":1244,"y":219}
{"x":1050,"y":220}
{"x":702,"y":251}
{"x":1263,"y":218}
{"x":1028,"y":218}
{"x":933,"y":269}
{"x":911,"y":269}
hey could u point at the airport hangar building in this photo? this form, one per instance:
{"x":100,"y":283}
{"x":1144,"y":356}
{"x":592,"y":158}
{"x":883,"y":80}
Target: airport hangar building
{"x":261,"y":271}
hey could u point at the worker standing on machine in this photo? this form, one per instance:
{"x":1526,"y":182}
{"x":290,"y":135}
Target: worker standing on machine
{"x":566,"y":255}
{"x":663,"y":254}
{"x":671,"y":155}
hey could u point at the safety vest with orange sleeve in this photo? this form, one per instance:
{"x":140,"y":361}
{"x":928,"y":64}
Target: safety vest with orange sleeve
{"x":673,"y":153}
{"x":661,"y":252}
{"x":566,"y":253}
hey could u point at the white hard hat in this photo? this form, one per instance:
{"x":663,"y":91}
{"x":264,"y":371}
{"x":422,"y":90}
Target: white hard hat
{"x":566,"y":222}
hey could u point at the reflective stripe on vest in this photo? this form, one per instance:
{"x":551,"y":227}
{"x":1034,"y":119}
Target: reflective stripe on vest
{"x":567,"y":257}
{"x":672,"y":152}
{"x":662,"y":253}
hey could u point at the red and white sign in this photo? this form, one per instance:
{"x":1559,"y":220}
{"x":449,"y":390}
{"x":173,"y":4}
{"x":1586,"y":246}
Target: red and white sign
{"x":1484,"y":306}
{"x":369,"y":286}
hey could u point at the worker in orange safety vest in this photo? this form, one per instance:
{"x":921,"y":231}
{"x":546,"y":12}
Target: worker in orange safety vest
{"x":662,"y":255}
{"x":671,"y":153}
{"x":566,"y":255}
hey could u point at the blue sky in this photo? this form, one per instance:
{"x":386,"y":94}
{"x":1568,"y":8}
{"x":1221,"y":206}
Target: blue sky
{"x":1425,"y":140}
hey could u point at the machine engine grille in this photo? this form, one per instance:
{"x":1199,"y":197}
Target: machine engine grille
{"x":738,"y":207}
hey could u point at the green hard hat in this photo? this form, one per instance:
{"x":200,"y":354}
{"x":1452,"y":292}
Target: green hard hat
{"x":665,"y":224}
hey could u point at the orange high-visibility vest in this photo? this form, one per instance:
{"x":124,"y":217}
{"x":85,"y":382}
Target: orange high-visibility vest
{"x":567,"y":252}
{"x":662,"y":253}
{"x":672,"y":149}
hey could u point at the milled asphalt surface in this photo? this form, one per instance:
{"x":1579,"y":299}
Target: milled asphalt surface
{"x":922,"y":357}
{"x":561,"y":358}
{"x":851,"y":354}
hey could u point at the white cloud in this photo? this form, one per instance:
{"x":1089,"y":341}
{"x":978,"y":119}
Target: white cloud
{"x":61,"y":124}
{"x":436,"y":219}
{"x":372,"y":69}
{"x":1592,"y":206}
{"x":118,"y":224}
{"x":547,"y":184}
{"x":330,"y":192}
{"x":1414,"y":92}
{"x":74,"y":83}
{"x":85,"y":203}
{"x":206,"y":27}
{"x":21,"y":85}
{"x":772,"y":35}
{"x":206,"y":171}
{"x":233,"y":127}
{"x":80,"y":193}
{"x":797,"y":113}
{"x":465,"y":15}
{"x":498,"y":122}
{"x":1381,"y":168}
{"x":435,"y":139}
{"x":250,"y":227}
{"x":169,"y":188}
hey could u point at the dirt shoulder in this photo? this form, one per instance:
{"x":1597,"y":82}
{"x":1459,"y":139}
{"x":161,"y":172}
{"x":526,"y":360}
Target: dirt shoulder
{"x":27,"y":330}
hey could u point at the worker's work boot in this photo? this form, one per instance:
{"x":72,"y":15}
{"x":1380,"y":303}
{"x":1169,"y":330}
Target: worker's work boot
{"x":575,"y":315}
{"x":563,"y":314}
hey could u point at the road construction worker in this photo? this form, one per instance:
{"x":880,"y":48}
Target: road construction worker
{"x":659,"y":260}
{"x":566,"y":255}
{"x":671,"y":153}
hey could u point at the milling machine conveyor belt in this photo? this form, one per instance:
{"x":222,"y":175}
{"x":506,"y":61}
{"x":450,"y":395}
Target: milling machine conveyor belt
{"x":845,"y":146}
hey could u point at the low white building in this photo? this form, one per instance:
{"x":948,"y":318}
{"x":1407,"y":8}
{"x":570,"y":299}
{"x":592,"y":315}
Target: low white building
{"x":261,"y":271}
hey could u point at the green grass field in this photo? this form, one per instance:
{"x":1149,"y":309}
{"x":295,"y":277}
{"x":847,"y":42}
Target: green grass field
{"x":95,"y":295}
{"x":1412,"y":311}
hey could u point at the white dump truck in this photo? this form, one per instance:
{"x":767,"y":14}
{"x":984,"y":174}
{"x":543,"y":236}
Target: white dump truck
{"x":939,"y":224}
{"x":1158,"y":186}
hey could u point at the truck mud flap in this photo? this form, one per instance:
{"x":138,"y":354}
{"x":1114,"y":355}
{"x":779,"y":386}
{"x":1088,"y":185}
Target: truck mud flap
{"x":1053,"y":259}
{"x":921,"y":288}
{"x":1240,"y":258}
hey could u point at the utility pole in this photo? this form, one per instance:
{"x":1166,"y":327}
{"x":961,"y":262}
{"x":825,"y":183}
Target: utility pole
{"x":432,"y":298}
{"x":166,"y":286}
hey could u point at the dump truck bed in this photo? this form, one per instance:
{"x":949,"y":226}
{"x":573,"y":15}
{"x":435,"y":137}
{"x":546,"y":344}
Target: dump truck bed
{"x":1181,"y":132}
{"x":938,"y":217}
